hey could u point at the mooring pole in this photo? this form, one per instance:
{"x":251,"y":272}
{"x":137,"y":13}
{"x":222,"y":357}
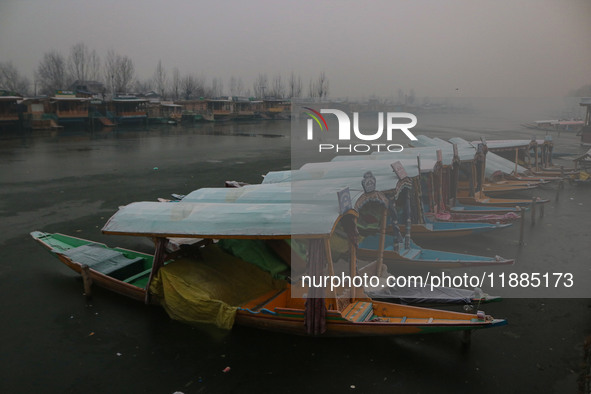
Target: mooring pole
{"x":87,"y":280}
{"x":521,"y":224}
{"x":533,"y":210}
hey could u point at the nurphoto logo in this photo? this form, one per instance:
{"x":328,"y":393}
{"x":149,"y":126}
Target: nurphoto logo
{"x":344,"y":130}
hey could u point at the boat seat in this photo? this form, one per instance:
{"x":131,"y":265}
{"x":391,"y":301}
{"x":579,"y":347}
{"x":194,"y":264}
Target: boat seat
{"x":358,"y":311}
{"x":411,"y":253}
{"x":106,"y":261}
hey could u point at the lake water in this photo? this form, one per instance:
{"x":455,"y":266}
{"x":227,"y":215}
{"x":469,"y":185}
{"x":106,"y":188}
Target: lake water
{"x":72,"y":181}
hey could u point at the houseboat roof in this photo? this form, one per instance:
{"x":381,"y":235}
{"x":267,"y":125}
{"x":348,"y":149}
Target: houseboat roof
{"x":129,"y":100}
{"x":10,"y":98}
{"x":65,"y":98}
{"x":586,"y":101}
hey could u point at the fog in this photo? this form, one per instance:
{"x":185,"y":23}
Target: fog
{"x":456,"y":48}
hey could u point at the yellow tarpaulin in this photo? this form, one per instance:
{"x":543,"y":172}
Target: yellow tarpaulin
{"x":210,"y":288}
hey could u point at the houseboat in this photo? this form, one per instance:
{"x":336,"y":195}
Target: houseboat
{"x":221,"y":109}
{"x":9,"y":110}
{"x":194,"y":110}
{"x":164,"y":112}
{"x":37,"y":114}
{"x":128,"y":109}
{"x":586,"y":130}
{"x":68,"y":108}
{"x":277,"y":109}
{"x":245,"y":109}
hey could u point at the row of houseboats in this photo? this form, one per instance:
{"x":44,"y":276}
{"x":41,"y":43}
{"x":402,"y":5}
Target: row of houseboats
{"x":72,"y":108}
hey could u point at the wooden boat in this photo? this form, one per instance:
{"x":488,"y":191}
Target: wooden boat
{"x":235,"y":290}
{"x":460,"y":208}
{"x":415,"y":256}
{"x":583,"y":164}
{"x":572,"y":125}
{"x":504,"y":188}
{"x":481,"y":199}
{"x":535,"y":155}
{"x":406,"y":171}
{"x":450,"y":229}
{"x":471,"y":217}
{"x":585,"y":132}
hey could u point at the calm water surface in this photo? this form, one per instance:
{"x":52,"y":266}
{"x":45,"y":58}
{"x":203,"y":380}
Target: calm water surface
{"x":72,"y":181}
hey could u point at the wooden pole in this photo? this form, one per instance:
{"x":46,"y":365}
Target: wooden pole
{"x":353,"y":253}
{"x":331,"y":270}
{"x":87,"y":280}
{"x":159,"y":255}
{"x":533,"y":210}
{"x":516,"y":159}
{"x":382,"y":242}
{"x":408,"y":220}
{"x":521,"y":224}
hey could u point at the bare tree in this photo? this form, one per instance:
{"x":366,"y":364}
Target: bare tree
{"x":188,"y":86}
{"x":51,"y":72}
{"x":410,"y":99}
{"x":312,"y":91}
{"x":119,"y":72}
{"x":277,"y":88}
{"x":322,"y":86}
{"x":236,"y":86}
{"x":295,"y":86}
{"x":160,"y":79}
{"x":201,"y":90}
{"x":176,"y":84}
{"x":143,"y":86}
{"x":400,"y":96}
{"x":217,"y":87}
{"x":260,"y":85}
{"x":11,"y":80}
{"x":126,"y":74}
{"x":83,"y":64}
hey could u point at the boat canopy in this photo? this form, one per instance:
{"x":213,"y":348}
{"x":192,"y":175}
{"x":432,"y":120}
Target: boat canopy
{"x":494,"y":162}
{"x":222,"y":220}
{"x":307,"y":207}
{"x":509,"y":144}
{"x":348,"y":173}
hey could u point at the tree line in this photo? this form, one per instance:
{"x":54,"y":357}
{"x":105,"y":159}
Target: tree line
{"x":117,"y":73}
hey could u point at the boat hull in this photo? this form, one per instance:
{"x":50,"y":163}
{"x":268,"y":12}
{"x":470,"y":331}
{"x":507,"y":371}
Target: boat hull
{"x":387,"y":319}
{"x":438,"y":230}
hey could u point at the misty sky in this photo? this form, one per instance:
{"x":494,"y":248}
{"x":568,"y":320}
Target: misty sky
{"x":502,"y":48}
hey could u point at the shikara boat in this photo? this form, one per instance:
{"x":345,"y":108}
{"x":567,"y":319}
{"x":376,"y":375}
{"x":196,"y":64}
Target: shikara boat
{"x":436,"y":295}
{"x":583,"y":165}
{"x":223,"y":283}
{"x":471,"y":217}
{"x":505,"y":187}
{"x":407,"y":170}
{"x":456,"y":181}
{"x":479,"y":198}
{"x":415,"y":256}
{"x":449,"y":229}
{"x":460,"y":208}
{"x":535,"y":155}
